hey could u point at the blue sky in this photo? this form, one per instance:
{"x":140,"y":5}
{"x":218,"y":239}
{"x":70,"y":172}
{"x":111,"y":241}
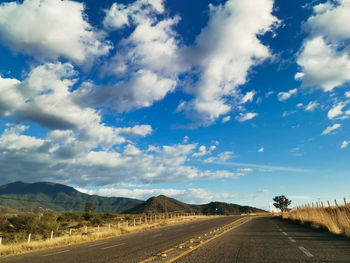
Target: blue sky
{"x":234,"y":101}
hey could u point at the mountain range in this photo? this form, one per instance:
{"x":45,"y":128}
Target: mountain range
{"x":59,"y":197}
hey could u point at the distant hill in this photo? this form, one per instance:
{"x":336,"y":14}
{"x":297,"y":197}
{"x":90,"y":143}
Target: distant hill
{"x":59,"y":197}
{"x":161,"y":204}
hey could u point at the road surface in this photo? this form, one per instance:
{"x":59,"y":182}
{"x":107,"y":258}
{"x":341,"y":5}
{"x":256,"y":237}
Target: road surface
{"x":223,"y":239}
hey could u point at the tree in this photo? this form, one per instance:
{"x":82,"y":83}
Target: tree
{"x":89,"y":207}
{"x":282,"y":202}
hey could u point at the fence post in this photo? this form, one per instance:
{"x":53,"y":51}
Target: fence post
{"x":329,"y":205}
{"x":29,"y":238}
{"x":51,"y":235}
{"x":127,"y":224}
{"x":322,"y":203}
{"x":85,"y":229}
{"x":344,"y":201}
{"x":98,"y":228}
{"x":0,"y":241}
{"x":335,"y":201}
{"x":109,"y":227}
{"x":70,"y":231}
{"x":134,"y":222}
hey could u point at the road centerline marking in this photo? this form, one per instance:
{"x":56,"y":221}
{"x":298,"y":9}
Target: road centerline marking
{"x":291,"y":239}
{"x":284,"y":233}
{"x":113,"y":246}
{"x":55,"y":253}
{"x":305,"y":251}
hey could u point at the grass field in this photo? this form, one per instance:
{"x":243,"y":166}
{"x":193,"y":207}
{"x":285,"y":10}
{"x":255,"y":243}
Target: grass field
{"x":80,"y":235}
{"x":335,"y":219}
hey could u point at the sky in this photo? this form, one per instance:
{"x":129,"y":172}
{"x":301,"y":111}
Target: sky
{"x":223,"y":100}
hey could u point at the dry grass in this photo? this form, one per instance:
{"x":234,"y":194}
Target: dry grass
{"x":335,"y":219}
{"x":79,"y":235}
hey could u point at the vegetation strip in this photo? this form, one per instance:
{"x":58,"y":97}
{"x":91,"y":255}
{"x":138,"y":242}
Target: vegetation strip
{"x":164,"y":253}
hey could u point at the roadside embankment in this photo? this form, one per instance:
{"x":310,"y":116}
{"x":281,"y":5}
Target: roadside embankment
{"x":335,"y":219}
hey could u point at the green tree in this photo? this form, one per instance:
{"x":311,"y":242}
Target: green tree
{"x":89,"y":207}
{"x":281,"y":202}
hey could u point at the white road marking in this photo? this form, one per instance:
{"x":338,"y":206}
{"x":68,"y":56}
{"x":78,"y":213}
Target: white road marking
{"x":55,"y":253}
{"x":291,"y":239}
{"x":158,"y":235}
{"x":304,"y":250}
{"x":113,"y":246}
{"x":284,"y":233}
{"x":94,"y":245}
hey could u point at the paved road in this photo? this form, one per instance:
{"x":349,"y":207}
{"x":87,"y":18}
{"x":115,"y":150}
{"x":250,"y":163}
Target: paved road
{"x":235,"y":239}
{"x":128,"y":248}
{"x":272,"y":240}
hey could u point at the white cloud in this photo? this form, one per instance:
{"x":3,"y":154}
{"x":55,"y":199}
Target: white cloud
{"x":226,"y":119}
{"x":331,"y":129}
{"x":221,"y":157}
{"x":147,"y":62}
{"x":224,"y":52}
{"x":12,"y":139}
{"x":324,"y":57}
{"x":347,"y":94}
{"x":51,"y":29}
{"x":246,"y":116}
{"x":312,"y":106}
{"x":185,"y":140}
{"x":261,"y":150}
{"x":344,"y":144}
{"x":249,"y":96}
{"x":10,"y":95}
{"x":282,"y":96}
{"x":336,"y":111}
{"x":295,"y":149}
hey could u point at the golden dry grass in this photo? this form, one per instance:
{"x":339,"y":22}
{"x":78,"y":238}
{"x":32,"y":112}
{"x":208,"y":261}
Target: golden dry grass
{"x":335,"y":219}
{"x":79,"y":235}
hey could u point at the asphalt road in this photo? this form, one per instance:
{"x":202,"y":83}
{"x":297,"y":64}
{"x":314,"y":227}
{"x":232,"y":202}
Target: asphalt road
{"x":128,"y":248}
{"x":272,"y":240}
{"x":224,"y":239}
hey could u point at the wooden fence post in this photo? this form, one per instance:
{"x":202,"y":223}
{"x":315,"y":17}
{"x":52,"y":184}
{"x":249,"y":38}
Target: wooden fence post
{"x":344,"y":201}
{"x":51,"y":235}
{"x":335,"y":201}
{"x":109,"y":227}
{"x":98,"y":228}
{"x":134,"y":222}
{"x":29,"y":238}
{"x":70,"y":231}
{"x":0,"y":241}
{"x":329,"y":205}
{"x":140,"y":220}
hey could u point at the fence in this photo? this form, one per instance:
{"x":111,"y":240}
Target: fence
{"x":321,"y":204}
{"x":121,"y":224}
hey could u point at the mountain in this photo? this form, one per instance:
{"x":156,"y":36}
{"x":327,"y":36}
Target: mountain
{"x":59,"y":197}
{"x":161,"y":204}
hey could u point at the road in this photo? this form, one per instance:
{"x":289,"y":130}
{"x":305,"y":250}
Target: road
{"x":224,"y":239}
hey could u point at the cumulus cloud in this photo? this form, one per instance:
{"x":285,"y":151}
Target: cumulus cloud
{"x":246,"y":116}
{"x":48,"y":29}
{"x":344,"y":144}
{"x":324,"y":56}
{"x":147,"y":61}
{"x":312,"y":106}
{"x":226,"y":119}
{"x":261,"y":150}
{"x":222,"y":60}
{"x":331,"y":129}
{"x":221,"y":157}
{"x":282,"y":96}
{"x":337,"y":112}
{"x":248,"y":97}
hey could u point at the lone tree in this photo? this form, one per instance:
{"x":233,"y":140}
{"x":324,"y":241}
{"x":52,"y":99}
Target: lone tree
{"x":282,"y":202}
{"x":89,"y":207}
